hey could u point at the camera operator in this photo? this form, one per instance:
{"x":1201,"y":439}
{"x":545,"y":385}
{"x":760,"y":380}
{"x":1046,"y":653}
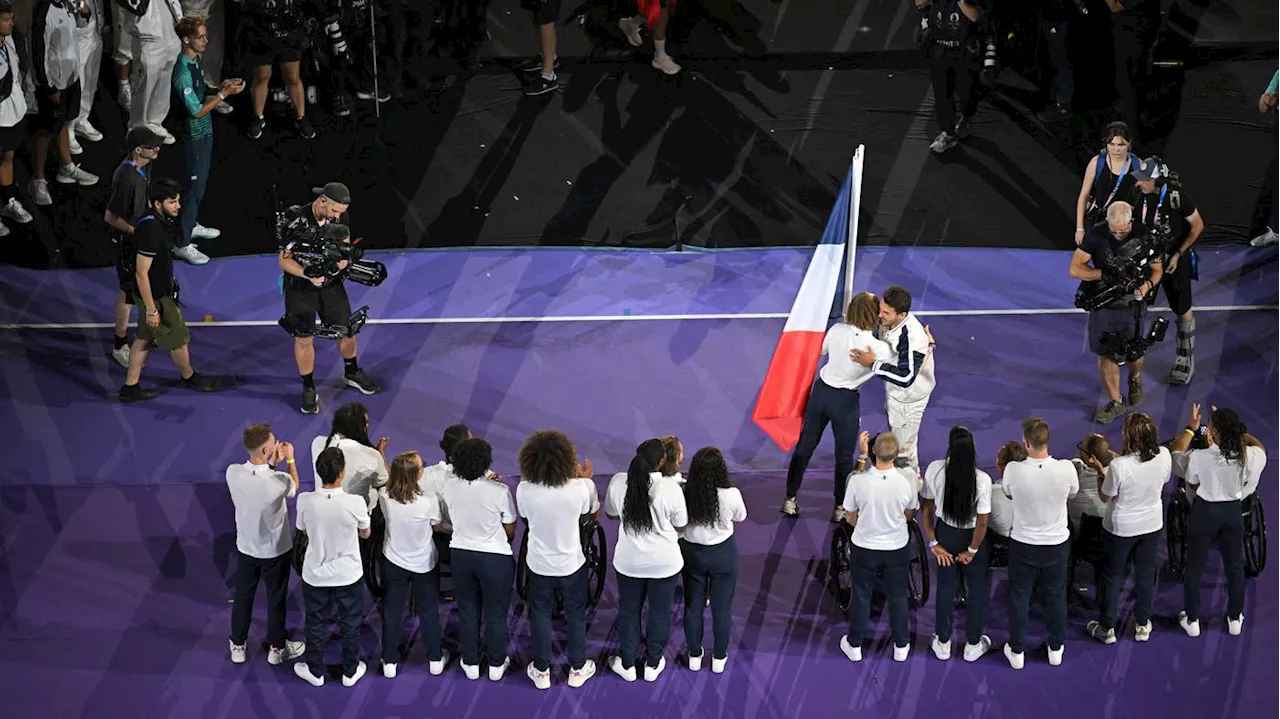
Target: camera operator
{"x":306,"y":297}
{"x":1126,"y":263}
{"x":950,"y":38}
{"x":1170,"y":217}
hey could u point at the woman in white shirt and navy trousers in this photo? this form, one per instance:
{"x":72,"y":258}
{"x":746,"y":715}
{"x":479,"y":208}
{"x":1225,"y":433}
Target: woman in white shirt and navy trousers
{"x":484,"y":520}
{"x":1132,"y":487}
{"x":647,"y":558}
{"x":710,"y":554}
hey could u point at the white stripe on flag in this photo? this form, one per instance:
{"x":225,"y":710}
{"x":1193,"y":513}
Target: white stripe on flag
{"x":813,"y":302}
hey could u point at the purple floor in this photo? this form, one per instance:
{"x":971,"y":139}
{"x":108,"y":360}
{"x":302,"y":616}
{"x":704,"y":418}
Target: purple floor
{"x":114,"y":567}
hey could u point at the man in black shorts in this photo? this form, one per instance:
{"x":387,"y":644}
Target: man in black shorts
{"x":1166,"y":211}
{"x":162,"y":324}
{"x":56,"y":72}
{"x":545,"y":14}
{"x":129,"y":202}
{"x":273,"y":31}
{"x":306,"y":297}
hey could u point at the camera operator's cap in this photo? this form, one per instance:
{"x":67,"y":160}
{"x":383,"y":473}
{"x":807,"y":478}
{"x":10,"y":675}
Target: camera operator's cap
{"x":143,"y":137}
{"x":1149,"y":169}
{"x":333,"y":231}
{"x":334,"y":192}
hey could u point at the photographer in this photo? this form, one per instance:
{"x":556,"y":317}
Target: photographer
{"x":1173,"y":221}
{"x":306,"y":297}
{"x":1126,"y":264}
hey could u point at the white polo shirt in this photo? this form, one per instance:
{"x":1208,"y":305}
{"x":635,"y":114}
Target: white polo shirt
{"x":935,"y":488}
{"x":654,"y":554}
{"x":842,"y":372}
{"x":408,"y":543}
{"x":333,"y":521}
{"x":478,"y":510}
{"x":1001,"y":519}
{"x":1217,"y":480}
{"x":432,"y":483}
{"x":732,"y":509}
{"x":262,"y":514}
{"x":365,"y":471}
{"x":881,"y":498}
{"x":1086,"y":500}
{"x":1040,"y":489}
{"x":554,"y":515}
{"x":1136,"y":490}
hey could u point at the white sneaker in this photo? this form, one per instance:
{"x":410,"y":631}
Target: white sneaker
{"x":304,"y":671}
{"x":941,"y":650}
{"x":578,"y":677}
{"x":470,"y":671}
{"x":40,"y":193}
{"x":695,"y":663}
{"x":1055,"y":656}
{"x":74,"y":145}
{"x":665,"y":64}
{"x":853,"y":653}
{"x":1267,"y":238}
{"x":496,"y":673}
{"x":85,"y":129}
{"x":15,"y":211}
{"x":200,"y":232}
{"x":190,"y":255}
{"x":1192,"y":628}
{"x":718,"y":665}
{"x":651,"y":674}
{"x":75,"y":175}
{"x":223,"y":108}
{"x":290,"y":651}
{"x":389,"y":670}
{"x":121,"y":356}
{"x":974,"y":652}
{"x":1015,"y":660}
{"x":1142,"y":632}
{"x":238,"y":653}
{"x":4,"y":230}
{"x":1235,"y":626}
{"x":615,"y":665}
{"x":943,"y":142}
{"x":900,"y":654}
{"x":631,"y":28}
{"x":350,"y":681}
{"x":541,"y":680}
{"x":168,"y":138}
{"x":437,"y":668}
{"x":124,"y":96}
{"x":790,"y":508}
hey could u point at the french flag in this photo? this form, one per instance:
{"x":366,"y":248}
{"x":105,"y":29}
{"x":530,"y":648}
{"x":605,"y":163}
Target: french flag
{"x":779,"y":411}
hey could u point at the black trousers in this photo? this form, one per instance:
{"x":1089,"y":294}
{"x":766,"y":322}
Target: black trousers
{"x":867,"y":563}
{"x":573,"y":590}
{"x":1037,"y":567}
{"x":841,"y":409}
{"x":320,"y":601}
{"x":709,"y":570}
{"x":1131,"y":37}
{"x":1055,"y":34}
{"x":275,"y":574}
{"x":633,"y":594}
{"x":482,"y":586}
{"x":409,"y":24}
{"x":1118,"y":551}
{"x":1221,"y":524}
{"x":955,"y":74}
{"x":976,"y":579}
{"x":397,"y":582}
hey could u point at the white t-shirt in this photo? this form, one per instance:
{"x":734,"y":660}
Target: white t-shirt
{"x":432,"y":483}
{"x":365,"y":471}
{"x":1086,"y":500}
{"x":654,"y":554}
{"x":935,"y":484}
{"x":408,"y":543}
{"x":333,"y":521}
{"x":479,"y":509}
{"x":1136,"y":490}
{"x":1214,"y":479}
{"x":881,"y":498}
{"x":1040,"y":489}
{"x":1001,"y":519}
{"x":842,"y":372}
{"x":554,"y":515}
{"x":262,"y":515}
{"x":732,"y":509}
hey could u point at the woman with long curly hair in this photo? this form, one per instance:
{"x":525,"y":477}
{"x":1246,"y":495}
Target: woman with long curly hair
{"x":710,"y":555}
{"x":647,"y":557}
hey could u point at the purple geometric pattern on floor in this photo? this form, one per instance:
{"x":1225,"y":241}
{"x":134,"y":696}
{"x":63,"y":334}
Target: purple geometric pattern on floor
{"x":117,"y":526}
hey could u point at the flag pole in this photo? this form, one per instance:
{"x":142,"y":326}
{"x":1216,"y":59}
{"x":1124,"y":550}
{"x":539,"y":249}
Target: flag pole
{"x":855,"y":203}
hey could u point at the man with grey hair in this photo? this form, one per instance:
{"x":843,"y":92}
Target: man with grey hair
{"x":1116,"y":256}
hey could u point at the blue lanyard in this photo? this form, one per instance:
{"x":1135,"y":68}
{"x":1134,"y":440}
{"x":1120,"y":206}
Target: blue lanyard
{"x":1159,"y":203}
{"x":1119,"y":178}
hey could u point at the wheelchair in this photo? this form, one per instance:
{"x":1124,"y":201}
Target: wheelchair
{"x":1177,"y":519}
{"x":594,"y":547}
{"x":840,"y":567}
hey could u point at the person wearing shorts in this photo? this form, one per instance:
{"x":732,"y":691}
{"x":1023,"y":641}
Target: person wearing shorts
{"x":128,"y":202}
{"x":157,"y":292}
{"x":272,"y":32}
{"x":55,"y":51}
{"x":545,"y":14}
{"x":13,"y":111}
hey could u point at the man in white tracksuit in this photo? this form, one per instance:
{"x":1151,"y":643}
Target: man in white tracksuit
{"x":154,"y":47}
{"x":89,"y":38}
{"x":908,"y":377}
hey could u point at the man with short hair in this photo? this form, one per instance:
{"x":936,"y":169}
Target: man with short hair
{"x":331,"y":570}
{"x":1040,"y":487}
{"x":55,"y":67}
{"x":127,"y":203}
{"x":264,"y":545}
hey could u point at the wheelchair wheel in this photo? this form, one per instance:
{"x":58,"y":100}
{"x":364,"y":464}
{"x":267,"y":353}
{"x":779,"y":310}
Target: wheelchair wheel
{"x":1255,"y":537}
{"x":596,"y":548}
{"x":371,"y":553}
{"x":918,"y":569}
{"x":840,"y":568}
{"x":522,"y":567}
{"x":1176,"y":519}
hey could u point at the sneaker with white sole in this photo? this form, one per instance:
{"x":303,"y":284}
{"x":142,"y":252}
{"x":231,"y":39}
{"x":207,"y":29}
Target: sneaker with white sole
{"x":470,"y":671}
{"x":1142,"y":632}
{"x":290,"y":651}
{"x":1235,"y":626}
{"x":943,"y":142}
{"x":496,"y":673}
{"x":75,"y":175}
{"x":389,"y":670}
{"x":190,"y":255}
{"x":1267,"y":238}
{"x":790,"y":508}
{"x":853,"y":653}
{"x":718,"y":664}
{"x":304,"y":672}
{"x":1016,"y":659}
{"x":223,"y":108}
{"x":615,"y":666}
{"x":900,"y":653}
{"x":974,"y":652}
{"x":121,"y":356}
{"x":630,"y":28}
{"x":350,"y":681}
{"x":4,"y":230}
{"x":837,"y":514}
{"x":40,"y":193}
{"x":436,"y":668}
{"x":124,"y":96}
{"x":1190,"y":626}
{"x":941,"y":649}
{"x":15,"y":211}
{"x":578,"y":677}
{"x":665,"y":64}
{"x":1055,"y":655}
{"x":86,"y":130}
{"x":695,"y":663}
{"x":238,"y":653}
{"x":200,"y":232}
{"x":651,"y":674}
{"x":165,"y":136}
{"x":74,"y":145}
{"x":541,"y":679}
{"x":1097,"y":631}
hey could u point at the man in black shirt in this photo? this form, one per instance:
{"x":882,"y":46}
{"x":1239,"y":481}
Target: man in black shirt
{"x":1166,"y":211}
{"x":306,"y":297}
{"x":128,"y":202}
{"x":162,"y":324}
{"x":955,"y":62}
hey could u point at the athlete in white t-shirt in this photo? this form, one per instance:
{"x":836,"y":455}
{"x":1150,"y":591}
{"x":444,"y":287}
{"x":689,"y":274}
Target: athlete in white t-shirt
{"x":710,"y":555}
{"x":366,"y":468}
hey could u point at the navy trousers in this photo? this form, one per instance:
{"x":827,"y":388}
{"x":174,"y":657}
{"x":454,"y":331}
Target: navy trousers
{"x":841,"y":409}
{"x":633,"y":594}
{"x":709,"y":570}
{"x":1221,"y":524}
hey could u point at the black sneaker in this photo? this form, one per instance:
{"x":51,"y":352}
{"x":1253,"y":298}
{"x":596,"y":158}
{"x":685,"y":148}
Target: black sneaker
{"x":305,"y":128}
{"x":535,"y":65}
{"x":256,"y":126}
{"x":342,"y":105}
{"x":961,"y":130}
{"x":200,"y":384}
{"x":383,"y":95}
{"x":135,"y":393}
{"x":361,"y":381}
{"x":310,"y":401}
{"x":541,"y":86}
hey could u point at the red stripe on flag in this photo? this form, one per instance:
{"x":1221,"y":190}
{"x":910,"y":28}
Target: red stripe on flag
{"x":779,"y":411}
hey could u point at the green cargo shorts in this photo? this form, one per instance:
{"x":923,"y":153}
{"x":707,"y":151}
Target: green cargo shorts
{"x":171,"y":334}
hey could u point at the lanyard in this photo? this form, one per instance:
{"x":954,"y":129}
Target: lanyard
{"x":1119,"y":178}
{"x":1163,"y":190}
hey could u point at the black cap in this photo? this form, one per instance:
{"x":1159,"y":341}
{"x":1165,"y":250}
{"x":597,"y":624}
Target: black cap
{"x":335,"y":192}
{"x":333,"y":231}
{"x":1149,"y":169}
{"x":143,"y":137}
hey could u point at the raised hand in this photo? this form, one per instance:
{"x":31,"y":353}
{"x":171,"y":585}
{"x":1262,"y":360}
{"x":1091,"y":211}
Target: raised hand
{"x":863,"y":439}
